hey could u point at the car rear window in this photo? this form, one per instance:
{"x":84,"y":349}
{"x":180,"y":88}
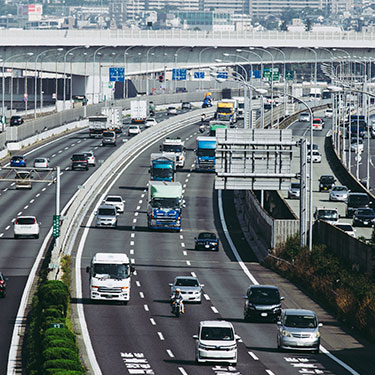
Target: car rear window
{"x":186,"y":282}
{"x":113,"y":199}
{"x":17,"y":158}
{"x":207,"y":236}
{"x":108,"y":135}
{"x":25,"y":220}
{"x":358,"y":199}
{"x":78,"y":157}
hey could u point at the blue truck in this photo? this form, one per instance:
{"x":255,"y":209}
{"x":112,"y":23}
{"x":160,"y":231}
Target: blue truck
{"x":163,"y":167}
{"x":164,"y":205}
{"x":205,"y":154}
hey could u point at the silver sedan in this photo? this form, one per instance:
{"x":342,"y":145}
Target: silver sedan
{"x":339,"y":193}
{"x":191,"y":288}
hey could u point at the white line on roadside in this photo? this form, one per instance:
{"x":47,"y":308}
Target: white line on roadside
{"x":153,"y":321}
{"x":170,"y":353}
{"x":207,"y":297}
{"x":214,"y":309}
{"x":161,"y":337}
{"x":146,"y":307}
{"x":255,"y":358}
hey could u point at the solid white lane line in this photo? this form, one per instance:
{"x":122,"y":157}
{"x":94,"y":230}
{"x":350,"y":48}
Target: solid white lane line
{"x":193,"y":274}
{"x":188,"y":263}
{"x":182,"y":370}
{"x":207,"y":297}
{"x":141,"y":295}
{"x":170,"y":353}
{"x":146,"y":307}
{"x":182,"y":244}
{"x":32,"y":201}
{"x":184,"y":252}
{"x":138,"y":283}
{"x":161,"y":337}
{"x":214,"y":309}
{"x":7,"y":227}
{"x":26,"y":207}
{"x":132,"y":235}
{"x":255,"y":358}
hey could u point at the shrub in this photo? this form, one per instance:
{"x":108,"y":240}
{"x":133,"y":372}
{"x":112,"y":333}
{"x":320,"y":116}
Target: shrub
{"x":57,"y":371}
{"x":60,"y":353}
{"x":60,"y":333}
{"x":52,"y":342}
{"x":63,"y":364}
{"x":54,"y":292}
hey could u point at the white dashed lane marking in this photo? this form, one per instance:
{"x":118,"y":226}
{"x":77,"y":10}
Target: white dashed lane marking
{"x":38,"y":195}
{"x":7,"y":227}
{"x":67,"y":168}
{"x":269,"y":372}
{"x":60,"y":151}
{"x":138,"y":208}
{"x":131,"y":251}
{"x":32,"y":201}
{"x":181,"y":237}
{"x":207,"y":297}
{"x":182,"y":370}
{"x":136,"y":214}
{"x":142,"y":196}
{"x":255,"y":358}
{"x":53,"y":155}
{"x":152,"y":321}
{"x":188,"y":263}
{"x":66,"y":148}
{"x":6,"y":189}
{"x":146,"y":307}
{"x":140,"y":202}
{"x":134,"y":220}
{"x":1,"y":234}
{"x":44,"y":189}
{"x":189,"y":174}
{"x":138,"y":283}
{"x":213,"y":308}
{"x":132,"y":235}
{"x":182,"y":244}
{"x":141,"y":295}
{"x":131,"y":243}
{"x":193,"y":274}
{"x":12,"y":184}
{"x":13,"y":220}
{"x":161,"y":337}
{"x":170,"y":353}
{"x":19,"y":214}
{"x":26,"y":207}
{"x":184,"y":252}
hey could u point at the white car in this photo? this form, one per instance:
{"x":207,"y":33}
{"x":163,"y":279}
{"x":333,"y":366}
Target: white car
{"x":150,"y":122}
{"x":90,"y":157}
{"x":115,"y":200}
{"x":41,"y":163}
{"x":216,"y":342}
{"x":106,"y":216}
{"x":26,"y":226}
{"x":134,"y":130}
{"x":347,"y":228}
{"x":316,"y":157}
{"x":191,"y":289}
{"x":304,"y":117}
{"x":172,"y":111}
{"x":328,"y":113}
{"x":357,"y":145}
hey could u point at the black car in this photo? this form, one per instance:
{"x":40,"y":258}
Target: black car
{"x":80,"y":161}
{"x":186,"y":105}
{"x":3,"y":285}
{"x":326,"y":182}
{"x":16,"y":120}
{"x":355,"y":201}
{"x":263,"y":302}
{"x":364,"y":217}
{"x":206,"y":241}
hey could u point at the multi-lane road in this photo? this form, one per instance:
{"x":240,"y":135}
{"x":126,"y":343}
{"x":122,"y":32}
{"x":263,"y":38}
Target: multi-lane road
{"x":144,"y":335}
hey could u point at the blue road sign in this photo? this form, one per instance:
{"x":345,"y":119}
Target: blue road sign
{"x":256,"y":74}
{"x":179,"y":75}
{"x":198,"y":75}
{"x":222,"y":75}
{"x":116,"y":74}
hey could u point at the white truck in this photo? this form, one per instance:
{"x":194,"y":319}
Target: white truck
{"x":114,"y":115}
{"x":241,"y":106}
{"x":139,"y":111}
{"x":110,"y":276}
{"x":176,"y":146}
{"x":97,"y":124}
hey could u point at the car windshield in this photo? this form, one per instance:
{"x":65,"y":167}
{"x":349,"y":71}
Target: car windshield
{"x":345,"y":227}
{"x":172,"y":148}
{"x":358,"y":199}
{"x":162,"y":172}
{"x":17,"y":158}
{"x":264,"y":296}
{"x":339,"y":188}
{"x":206,"y":152}
{"x":114,"y":199}
{"x":327,"y":179}
{"x":365,"y":211}
{"x":328,"y":214}
{"x":295,"y":185}
{"x":78,"y":157}
{"x":207,"y":236}
{"x":186,"y":282}
{"x":300,"y":321}
{"x":107,"y":211}
{"x":224,"y":110}
{"x":165,"y":202}
{"x":25,"y":220}
{"x":217,"y":333}
{"x":114,"y":271}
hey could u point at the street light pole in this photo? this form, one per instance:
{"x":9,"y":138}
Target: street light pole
{"x":175,"y":63}
{"x":147,"y":82}
{"x":125,"y":92}
{"x":93,"y":74}
{"x":200,"y":82}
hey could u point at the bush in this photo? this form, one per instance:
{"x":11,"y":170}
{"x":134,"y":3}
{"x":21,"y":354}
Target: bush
{"x":54,"y":292}
{"x":57,"y":371}
{"x":52,"y":342}
{"x":60,"y":353}
{"x":60,"y":333}
{"x":63,"y":364}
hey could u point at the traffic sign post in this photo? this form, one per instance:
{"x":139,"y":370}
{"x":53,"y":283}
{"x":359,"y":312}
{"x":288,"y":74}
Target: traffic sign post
{"x":56,"y":226}
{"x":116,"y":74}
{"x":198,"y":75}
{"x":222,"y":75}
{"x":178,"y":74}
{"x":271,"y":75}
{"x":289,"y":75}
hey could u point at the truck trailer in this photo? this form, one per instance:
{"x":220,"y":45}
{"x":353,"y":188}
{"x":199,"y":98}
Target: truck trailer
{"x":164,"y":205}
{"x":139,"y":111}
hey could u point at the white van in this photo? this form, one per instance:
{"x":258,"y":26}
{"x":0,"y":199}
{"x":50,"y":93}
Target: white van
{"x":216,"y":342}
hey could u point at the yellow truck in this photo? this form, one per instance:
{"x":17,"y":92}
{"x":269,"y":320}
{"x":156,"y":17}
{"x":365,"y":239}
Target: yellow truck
{"x":227,"y":110}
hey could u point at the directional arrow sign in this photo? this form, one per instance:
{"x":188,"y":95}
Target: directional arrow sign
{"x":116,"y":74}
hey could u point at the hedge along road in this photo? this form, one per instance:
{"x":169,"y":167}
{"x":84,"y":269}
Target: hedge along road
{"x":58,"y":152}
{"x":144,"y":332}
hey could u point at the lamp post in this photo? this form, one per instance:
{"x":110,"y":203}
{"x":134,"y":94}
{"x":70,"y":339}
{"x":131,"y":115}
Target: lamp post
{"x":200,"y":83}
{"x":147,"y":82}
{"x":349,"y":59}
{"x":175,"y":63}
{"x":36,"y":77}
{"x":125,"y":92}
{"x":93,"y":74}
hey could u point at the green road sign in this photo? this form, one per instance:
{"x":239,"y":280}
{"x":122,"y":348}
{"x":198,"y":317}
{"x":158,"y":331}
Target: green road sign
{"x":57,"y":325}
{"x":289,"y":75}
{"x":3,"y":120}
{"x":267,"y":74}
{"x":56,"y":226}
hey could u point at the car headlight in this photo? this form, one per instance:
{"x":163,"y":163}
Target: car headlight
{"x":316,"y":335}
{"x":286,"y":333}
{"x":251,"y":306}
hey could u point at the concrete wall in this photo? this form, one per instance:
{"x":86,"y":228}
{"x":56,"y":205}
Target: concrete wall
{"x":360,"y":255}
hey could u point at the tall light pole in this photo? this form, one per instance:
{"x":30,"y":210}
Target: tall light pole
{"x":125,"y":92}
{"x":36,"y":76}
{"x":147,"y":82}
{"x":93,"y":73}
{"x":200,"y":82}
{"x":175,"y":63}
{"x":349,"y":59}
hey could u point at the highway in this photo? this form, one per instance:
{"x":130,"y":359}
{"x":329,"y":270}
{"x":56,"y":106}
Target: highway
{"x":145,"y":333}
{"x":17,"y":256}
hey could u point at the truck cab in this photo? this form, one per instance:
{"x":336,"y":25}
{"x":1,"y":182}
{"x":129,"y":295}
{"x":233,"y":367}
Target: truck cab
{"x":176,"y":146}
{"x":110,"y":277}
{"x":163,"y":167}
{"x":205,"y":154}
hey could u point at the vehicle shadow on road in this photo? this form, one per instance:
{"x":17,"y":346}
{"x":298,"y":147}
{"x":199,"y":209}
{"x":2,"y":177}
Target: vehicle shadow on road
{"x":88,"y":301}
{"x":186,"y":362}
{"x":139,"y":188}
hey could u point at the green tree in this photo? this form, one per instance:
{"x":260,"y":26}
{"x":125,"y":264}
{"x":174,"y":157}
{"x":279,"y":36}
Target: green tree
{"x":308,"y":24}
{"x":284,"y":26}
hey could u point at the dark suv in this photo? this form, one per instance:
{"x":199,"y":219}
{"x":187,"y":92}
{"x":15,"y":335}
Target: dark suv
{"x":80,"y":161}
{"x":16,"y":120}
{"x":356,"y":200}
{"x":263,"y":302}
{"x":3,"y":285}
{"x":326,"y":182}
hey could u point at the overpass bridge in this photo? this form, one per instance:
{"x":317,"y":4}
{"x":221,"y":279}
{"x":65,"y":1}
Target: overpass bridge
{"x":85,"y":56}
